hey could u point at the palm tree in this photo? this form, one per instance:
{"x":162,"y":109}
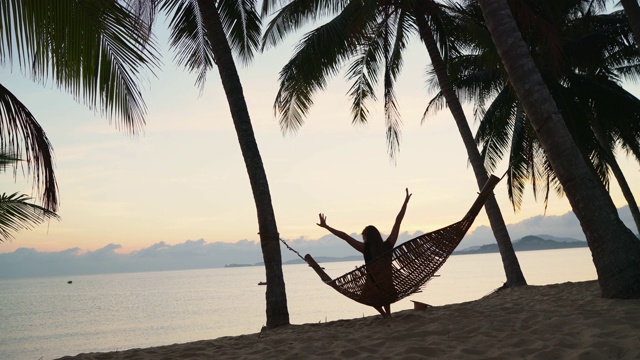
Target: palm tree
{"x":509,"y":259}
{"x":205,"y":33}
{"x":277,"y":313}
{"x":615,"y":249}
{"x":632,"y":10}
{"x":89,"y":49}
{"x":16,"y":211}
{"x":584,"y":56}
{"x":372,"y":32}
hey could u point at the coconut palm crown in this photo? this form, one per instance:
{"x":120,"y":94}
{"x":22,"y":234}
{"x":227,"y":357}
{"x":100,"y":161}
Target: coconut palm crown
{"x":583,"y":56}
{"x":94,"y":50}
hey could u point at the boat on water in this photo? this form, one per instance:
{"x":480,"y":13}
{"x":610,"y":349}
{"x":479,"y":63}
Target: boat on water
{"x":262,"y":283}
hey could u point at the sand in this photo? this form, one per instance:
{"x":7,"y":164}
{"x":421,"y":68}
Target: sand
{"x":560,"y":321}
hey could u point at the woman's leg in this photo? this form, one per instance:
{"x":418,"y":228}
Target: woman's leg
{"x":381,"y":311}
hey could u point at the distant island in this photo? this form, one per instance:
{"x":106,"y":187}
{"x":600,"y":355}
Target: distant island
{"x":238,"y":265}
{"x":527,"y":243}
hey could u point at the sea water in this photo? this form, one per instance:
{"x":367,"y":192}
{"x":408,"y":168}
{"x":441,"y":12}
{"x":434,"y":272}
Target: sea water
{"x":45,"y":318}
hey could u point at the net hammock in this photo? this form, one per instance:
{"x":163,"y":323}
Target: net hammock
{"x":405,"y":269}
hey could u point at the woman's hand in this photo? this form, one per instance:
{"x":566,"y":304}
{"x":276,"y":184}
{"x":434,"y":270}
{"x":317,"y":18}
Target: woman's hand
{"x":323,"y":221}
{"x":408,"y":196}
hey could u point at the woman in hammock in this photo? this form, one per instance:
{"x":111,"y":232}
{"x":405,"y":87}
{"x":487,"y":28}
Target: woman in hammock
{"x":373,"y":246}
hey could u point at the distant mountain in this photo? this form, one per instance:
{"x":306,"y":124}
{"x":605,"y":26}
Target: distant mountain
{"x":527,"y":243}
{"x":558,"y":239}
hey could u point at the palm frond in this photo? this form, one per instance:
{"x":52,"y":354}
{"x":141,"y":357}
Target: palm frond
{"x":471,"y":83}
{"x":399,"y":33}
{"x":22,"y":137}
{"x":363,"y":71}
{"x":522,"y":159}
{"x":548,"y":181}
{"x":496,"y":128}
{"x":315,"y":7}
{"x":293,"y":15}
{"x":6,"y":160}
{"x":17,"y":213}
{"x":98,"y":57}
{"x":243,"y":26}
{"x":391,"y":112}
{"x":189,"y":39}
{"x":318,"y":56}
{"x":146,"y":11}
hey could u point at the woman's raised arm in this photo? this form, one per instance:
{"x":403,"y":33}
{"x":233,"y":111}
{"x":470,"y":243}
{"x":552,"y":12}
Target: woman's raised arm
{"x":393,"y":237}
{"x":341,"y":234}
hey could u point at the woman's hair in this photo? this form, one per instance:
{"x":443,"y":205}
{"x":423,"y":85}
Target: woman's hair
{"x":373,"y":244}
{"x":372,"y":234}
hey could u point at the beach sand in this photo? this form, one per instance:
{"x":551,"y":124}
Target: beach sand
{"x":560,"y":321}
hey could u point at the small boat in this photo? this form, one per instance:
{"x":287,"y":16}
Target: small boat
{"x":262,"y":283}
{"x":69,"y":282}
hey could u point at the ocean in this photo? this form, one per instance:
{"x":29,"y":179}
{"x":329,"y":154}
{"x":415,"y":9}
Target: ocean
{"x":46,"y":318}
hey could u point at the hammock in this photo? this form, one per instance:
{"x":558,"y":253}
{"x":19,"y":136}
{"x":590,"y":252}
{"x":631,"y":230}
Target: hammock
{"x":413,"y":263}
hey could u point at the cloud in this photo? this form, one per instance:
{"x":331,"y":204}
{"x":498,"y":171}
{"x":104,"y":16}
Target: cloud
{"x":566,"y":225}
{"x":199,"y":254}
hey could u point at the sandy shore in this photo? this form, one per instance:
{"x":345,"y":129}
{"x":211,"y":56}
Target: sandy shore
{"x":562,"y":321}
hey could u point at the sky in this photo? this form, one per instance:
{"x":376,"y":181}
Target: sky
{"x":184,"y":179}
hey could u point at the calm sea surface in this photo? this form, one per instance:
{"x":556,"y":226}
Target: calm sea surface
{"x":45,"y":318}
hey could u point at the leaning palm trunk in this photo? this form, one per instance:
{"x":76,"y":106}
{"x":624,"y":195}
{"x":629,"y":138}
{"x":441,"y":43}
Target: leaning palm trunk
{"x":277,"y":313}
{"x":510,"y":262}
{"x":617,"y":172}
{"x":614,"y":248}
{"x":626,"y":191}
{"x":632,"y":10}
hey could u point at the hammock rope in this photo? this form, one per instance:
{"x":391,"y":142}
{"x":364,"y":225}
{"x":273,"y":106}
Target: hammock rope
{"x":292,"y":249}
{"x":405,"y":269}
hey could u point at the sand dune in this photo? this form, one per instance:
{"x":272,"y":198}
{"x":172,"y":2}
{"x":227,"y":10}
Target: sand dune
{"x":561,"y":321}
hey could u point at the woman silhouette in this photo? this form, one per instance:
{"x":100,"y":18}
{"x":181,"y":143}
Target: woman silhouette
{"x":372,"y":247}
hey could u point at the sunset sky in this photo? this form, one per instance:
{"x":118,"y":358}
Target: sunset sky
{"x":184,"y":177}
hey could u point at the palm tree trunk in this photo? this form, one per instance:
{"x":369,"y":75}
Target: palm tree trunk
{"x":277,"y":313}
{"x":617,"y":172}
{"x":626,"y":192}
{"x":614,"y":248}
{"x":632,"y":10}
{"x":510,"y":262}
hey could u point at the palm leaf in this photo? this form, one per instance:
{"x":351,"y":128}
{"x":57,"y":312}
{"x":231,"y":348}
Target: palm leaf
{"x":496,"y":128}
{"x":243,"y":26}
{"x":98,"y":57}
{"x":293,"y":15}
{"x":188,"y":38}
{"x":399,"y":27}
{"x":364,"y":70}
{"x":522,"y":159}
{"x":6,"y":159}
{"x":17,"y":213}
{"x":318,"y":56}
{"x":22,"y":136}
